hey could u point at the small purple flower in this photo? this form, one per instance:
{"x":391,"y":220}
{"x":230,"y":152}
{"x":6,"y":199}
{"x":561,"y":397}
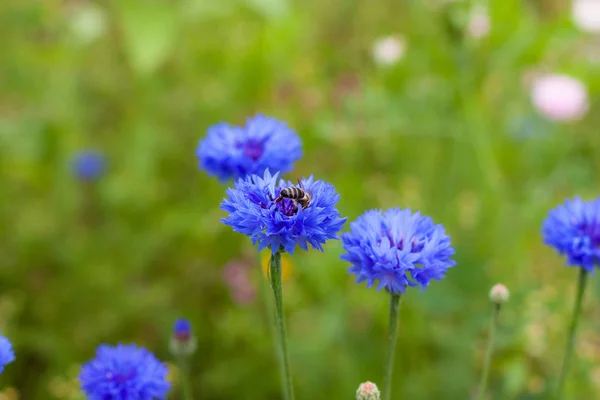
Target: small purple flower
{"x":7,"y":354}
{"x":254,"y":212}
{"x":124,"y":372}
{"x":232,"y":152}
{"x":397,"y":248}
{"x":88,"y":165}
{"x":573,"y":229}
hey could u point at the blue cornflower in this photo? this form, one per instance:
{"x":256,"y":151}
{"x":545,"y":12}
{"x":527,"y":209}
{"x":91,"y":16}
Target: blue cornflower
{"x":88,"y":165}
{"x":232,"y":152}
{"x":573,"y":228}
{"x":124,"y":372}
{"x":7,"y":354}
{"x":182,"y":329}
{"x":254,"y":212}
{"x":397,"y":248}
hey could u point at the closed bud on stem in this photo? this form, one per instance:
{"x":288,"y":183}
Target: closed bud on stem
{"x":368,"y":391}
{"x":183,"y":342}
{"x":499,"y":294}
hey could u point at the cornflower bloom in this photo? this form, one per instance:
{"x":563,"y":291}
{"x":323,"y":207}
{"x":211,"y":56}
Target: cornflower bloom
{"x":124,"y":372}
{"x":398,"y":249}
{"x":281,"y":225}
{"x":7,"y":355}
{"x":88,"y":165}
{"x":232,"y":152}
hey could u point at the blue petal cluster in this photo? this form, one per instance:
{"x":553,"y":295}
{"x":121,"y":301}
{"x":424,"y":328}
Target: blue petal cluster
{"x":253,"y":211}
{"x":232,"y":152}
{"x":182,"y":329}
{"x":88,"y":165}
{"x":573,"y":228}
{"x":397,"y":248}
{"x":7,"y":355}
{"x":124,"y":372}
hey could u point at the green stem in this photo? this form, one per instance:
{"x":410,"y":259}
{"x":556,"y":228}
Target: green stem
{"x":391,"y":351}
{"x":186,"y":388}
{"x":572,"y":329}
{"x":489,"y":351}
{"x":275,"y":277}
{"x":267,"y":304}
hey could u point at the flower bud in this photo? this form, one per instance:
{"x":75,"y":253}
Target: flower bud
{"x":368,"y":391}
{"x":499,"y":294}
{"x":183,"y":342}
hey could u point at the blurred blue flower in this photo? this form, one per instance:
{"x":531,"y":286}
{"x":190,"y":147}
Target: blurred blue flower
{"x":88,"y":165}
{"x":183,"y":342}
{"x":253,"y":211}
{"x":7,"y":354}
{"x":182,"y":329}
{"x":397,"y":248}
{"x":124,"y":372}
{"x":573,"y":228}
{"x":232,"y":152}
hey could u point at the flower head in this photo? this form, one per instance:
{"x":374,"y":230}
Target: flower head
{"x":183,"y":342}
{"x":232,"y":152}
{"x":499,"y":294}
{"x":478,"y":25}
{"x":586,"y":15}
{"x":7,"y":354}
{"x":560,"y":98}
{"x":124,"y":372}
{"x":182,"y":329}
{"x":368,"y":391}
{"x":254,"y":211}
{"x":397,"y":248}
{"x":388,"y":50}
{"x":573,"y":229}
{"x":88,"y":165}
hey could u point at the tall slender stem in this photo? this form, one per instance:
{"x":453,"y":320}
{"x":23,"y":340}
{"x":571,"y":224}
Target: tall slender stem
{"x":275,"y":277}
{"x":391,"y":351}
{"x":267,"y":302}
{"x":572,"y":330}
{"x":186,"y":389}
{"x":489,"y":351}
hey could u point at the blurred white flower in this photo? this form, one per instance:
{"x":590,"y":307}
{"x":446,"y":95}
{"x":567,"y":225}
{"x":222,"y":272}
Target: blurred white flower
{"x":499,"y":294}
{"x":560,"y":97}
{"x":87,"y":22}
{"x":388,"y":50}
{"x":479,"y":23}
{"x":586,"y":15}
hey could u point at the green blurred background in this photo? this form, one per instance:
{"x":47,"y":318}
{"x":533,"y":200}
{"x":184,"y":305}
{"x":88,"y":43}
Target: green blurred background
{"x":449,"y":130}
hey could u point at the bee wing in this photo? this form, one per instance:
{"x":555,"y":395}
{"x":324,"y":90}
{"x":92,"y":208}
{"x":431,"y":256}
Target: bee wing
{"x":300,"y":184}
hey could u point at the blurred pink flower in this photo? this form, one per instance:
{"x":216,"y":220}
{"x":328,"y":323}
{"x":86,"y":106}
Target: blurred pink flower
{"x":479,"y":23}
{"x":560,"y":97}
{"x":236,"y":275}
{"x":388,"y":50}
{"x":586,"y":15}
